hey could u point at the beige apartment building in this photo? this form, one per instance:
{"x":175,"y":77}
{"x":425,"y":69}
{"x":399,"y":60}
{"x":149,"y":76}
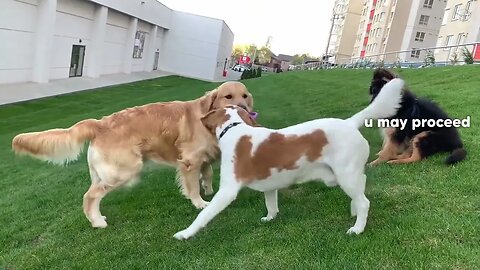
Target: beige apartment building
{"x":346,"y":16}
{"x":397,"y":25}
{"x":460,"y":25}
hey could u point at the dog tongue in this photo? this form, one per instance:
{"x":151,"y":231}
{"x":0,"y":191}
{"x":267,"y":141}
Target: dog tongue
{"x":253,"y":115}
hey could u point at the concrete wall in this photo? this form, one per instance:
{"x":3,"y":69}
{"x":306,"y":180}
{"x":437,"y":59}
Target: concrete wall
{"x":192,"y":47}
{"x":16,"y":37}
{"x":225,"y":47}
{"x":37,"y":38}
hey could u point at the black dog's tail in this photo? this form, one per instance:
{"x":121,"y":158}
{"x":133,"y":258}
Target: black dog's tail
{"x":456,"y":155}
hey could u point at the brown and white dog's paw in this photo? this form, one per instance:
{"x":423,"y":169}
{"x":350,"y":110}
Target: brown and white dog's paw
{"x":354,"y":230}
{"x":183,"y":235}
{"x":268,"y":218}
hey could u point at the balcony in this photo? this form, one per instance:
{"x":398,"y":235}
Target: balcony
{"x":369,"y":26}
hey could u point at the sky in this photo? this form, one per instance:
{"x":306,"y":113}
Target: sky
{"x":298,"y":26}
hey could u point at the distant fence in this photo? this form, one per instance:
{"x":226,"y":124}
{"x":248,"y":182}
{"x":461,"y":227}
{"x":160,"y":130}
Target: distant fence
{"x":413,"y":58}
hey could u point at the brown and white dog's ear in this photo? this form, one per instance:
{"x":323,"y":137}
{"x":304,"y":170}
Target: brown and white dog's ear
{"x":383,"y":74}
{"x":208,"y":101}
{"x":247,"y":118}
{"x":214,"y":118}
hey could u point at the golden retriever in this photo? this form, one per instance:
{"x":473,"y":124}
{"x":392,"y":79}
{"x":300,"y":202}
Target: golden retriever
{"x":168,"y":133}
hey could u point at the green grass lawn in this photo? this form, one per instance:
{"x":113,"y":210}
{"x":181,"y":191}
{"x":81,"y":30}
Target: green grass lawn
{"x":423,"y":215}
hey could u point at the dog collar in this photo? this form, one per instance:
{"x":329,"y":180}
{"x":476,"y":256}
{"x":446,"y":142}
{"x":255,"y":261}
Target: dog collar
{"x":227,"y":128}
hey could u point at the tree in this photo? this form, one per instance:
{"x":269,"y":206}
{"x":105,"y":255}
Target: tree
{"x":454,"y":58}
{"x":237,"y":52}
{"x":299,"y":59}
{"x":263,"y":55}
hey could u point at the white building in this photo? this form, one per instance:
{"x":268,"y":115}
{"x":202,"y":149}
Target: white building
{"x":43,"y":40}
{"x":460,"y":25}
{"x":398,"y":25}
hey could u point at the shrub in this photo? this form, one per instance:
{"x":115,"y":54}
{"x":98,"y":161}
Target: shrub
{"x":251,"y":73}
{"x":467,"y":56}
{"x":454,"y":59}
{"x":244,"y":74}
{"x":429,"y":58}
{"x":380,"y":64}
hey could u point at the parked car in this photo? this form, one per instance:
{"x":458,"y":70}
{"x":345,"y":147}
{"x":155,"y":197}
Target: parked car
{"x":240,"y":68}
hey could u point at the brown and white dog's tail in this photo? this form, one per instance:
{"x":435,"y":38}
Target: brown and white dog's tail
{"x":385,"y":105}
{"x":59,"y":146}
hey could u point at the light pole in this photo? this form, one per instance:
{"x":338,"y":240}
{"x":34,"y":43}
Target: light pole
{"x":335,"y":16}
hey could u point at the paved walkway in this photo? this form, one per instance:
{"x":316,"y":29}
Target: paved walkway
{"x":12,"y":93}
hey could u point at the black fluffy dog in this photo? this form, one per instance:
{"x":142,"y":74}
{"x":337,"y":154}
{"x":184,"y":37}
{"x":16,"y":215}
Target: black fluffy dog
{"x":411,"y":145}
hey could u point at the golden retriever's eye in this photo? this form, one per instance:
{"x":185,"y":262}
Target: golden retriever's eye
{"x":245,"y":96}
{"x":228,"y":96}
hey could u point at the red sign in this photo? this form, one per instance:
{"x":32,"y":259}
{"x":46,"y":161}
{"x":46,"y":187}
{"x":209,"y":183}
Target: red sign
{"x":244,"y":60}
{"x":476,"y":52}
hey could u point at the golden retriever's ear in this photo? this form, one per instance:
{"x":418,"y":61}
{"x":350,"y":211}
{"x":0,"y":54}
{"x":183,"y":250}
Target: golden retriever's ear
{"x":208,"y":100}
{"x":250,"y":101}
{"x":214,"y":118}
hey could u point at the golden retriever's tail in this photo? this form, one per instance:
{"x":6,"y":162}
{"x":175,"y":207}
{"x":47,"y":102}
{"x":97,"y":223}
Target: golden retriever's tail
{"x":59,"y":146}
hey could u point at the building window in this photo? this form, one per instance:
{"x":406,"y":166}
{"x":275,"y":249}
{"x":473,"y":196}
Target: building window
{"x":448,"y":41}
{"x":379,"y":31}
{"x":415,"y":53}
{"x":420,"y":36}
{"x":428,"y":4}
{"x":456,"y":12}
{"x":381,"y":16}
{"x":424,"y":19}
{"x":445,"y":16}
{"x":139,"y":44}
{"x":468,"y":6}
{"x":459,"y":38}
{"x":439,"y":43}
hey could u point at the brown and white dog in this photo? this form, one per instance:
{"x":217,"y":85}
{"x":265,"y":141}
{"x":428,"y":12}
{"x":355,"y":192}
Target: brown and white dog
{"x":168,"y":133}
{"x":329,"y":150}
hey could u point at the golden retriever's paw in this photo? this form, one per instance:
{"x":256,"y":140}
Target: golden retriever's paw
{"x":201,"y":204}
{"x":183,"y":235}
{"x":100,"y":222}
{"x":208,"y":190}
